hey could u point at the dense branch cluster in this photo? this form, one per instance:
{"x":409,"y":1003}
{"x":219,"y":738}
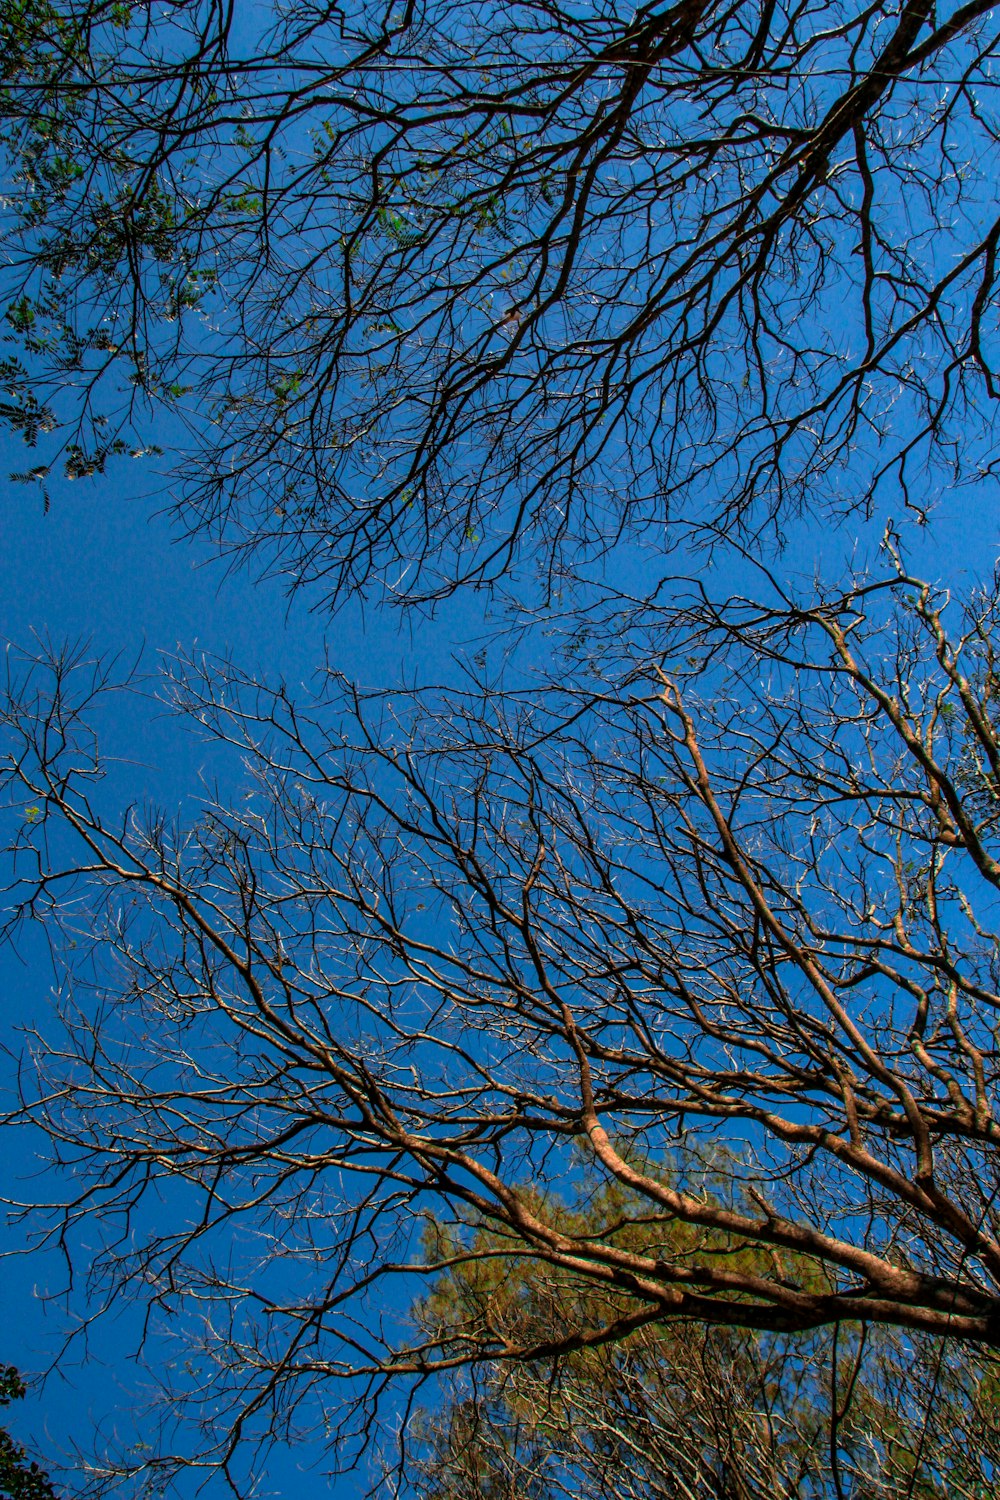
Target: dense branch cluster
{"x":613,"y":1031}
{"x":435,"y":284}
{"x":680,"y":1410}
{"x":437,"y":951}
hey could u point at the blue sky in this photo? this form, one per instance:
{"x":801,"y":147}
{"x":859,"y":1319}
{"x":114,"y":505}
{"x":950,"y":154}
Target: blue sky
{"x":102,"y":564}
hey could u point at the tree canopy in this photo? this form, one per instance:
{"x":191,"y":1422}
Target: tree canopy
{"x":420,"y":297}
{"x":678,"y":1411}
{"x":20,"y":1477}
{"x":437,"y":287}
{"x":430,"y":949}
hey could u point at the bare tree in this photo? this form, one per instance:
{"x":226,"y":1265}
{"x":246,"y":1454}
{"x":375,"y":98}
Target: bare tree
{"x":438,"y":949}
{"x":435,"y":284}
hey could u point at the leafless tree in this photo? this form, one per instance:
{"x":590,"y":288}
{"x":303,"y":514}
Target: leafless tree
{"x":729,"y":883}
{"x":440,"y":285}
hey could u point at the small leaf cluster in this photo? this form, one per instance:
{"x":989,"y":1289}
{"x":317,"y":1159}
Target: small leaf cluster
{"x":20,"y":1477}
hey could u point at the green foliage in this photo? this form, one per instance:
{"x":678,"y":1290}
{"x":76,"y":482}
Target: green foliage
{"x":672,"y":1410}
{"x":516,"y":1299}
{"x":19,"y":406}
{"x":20,"y":1477}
